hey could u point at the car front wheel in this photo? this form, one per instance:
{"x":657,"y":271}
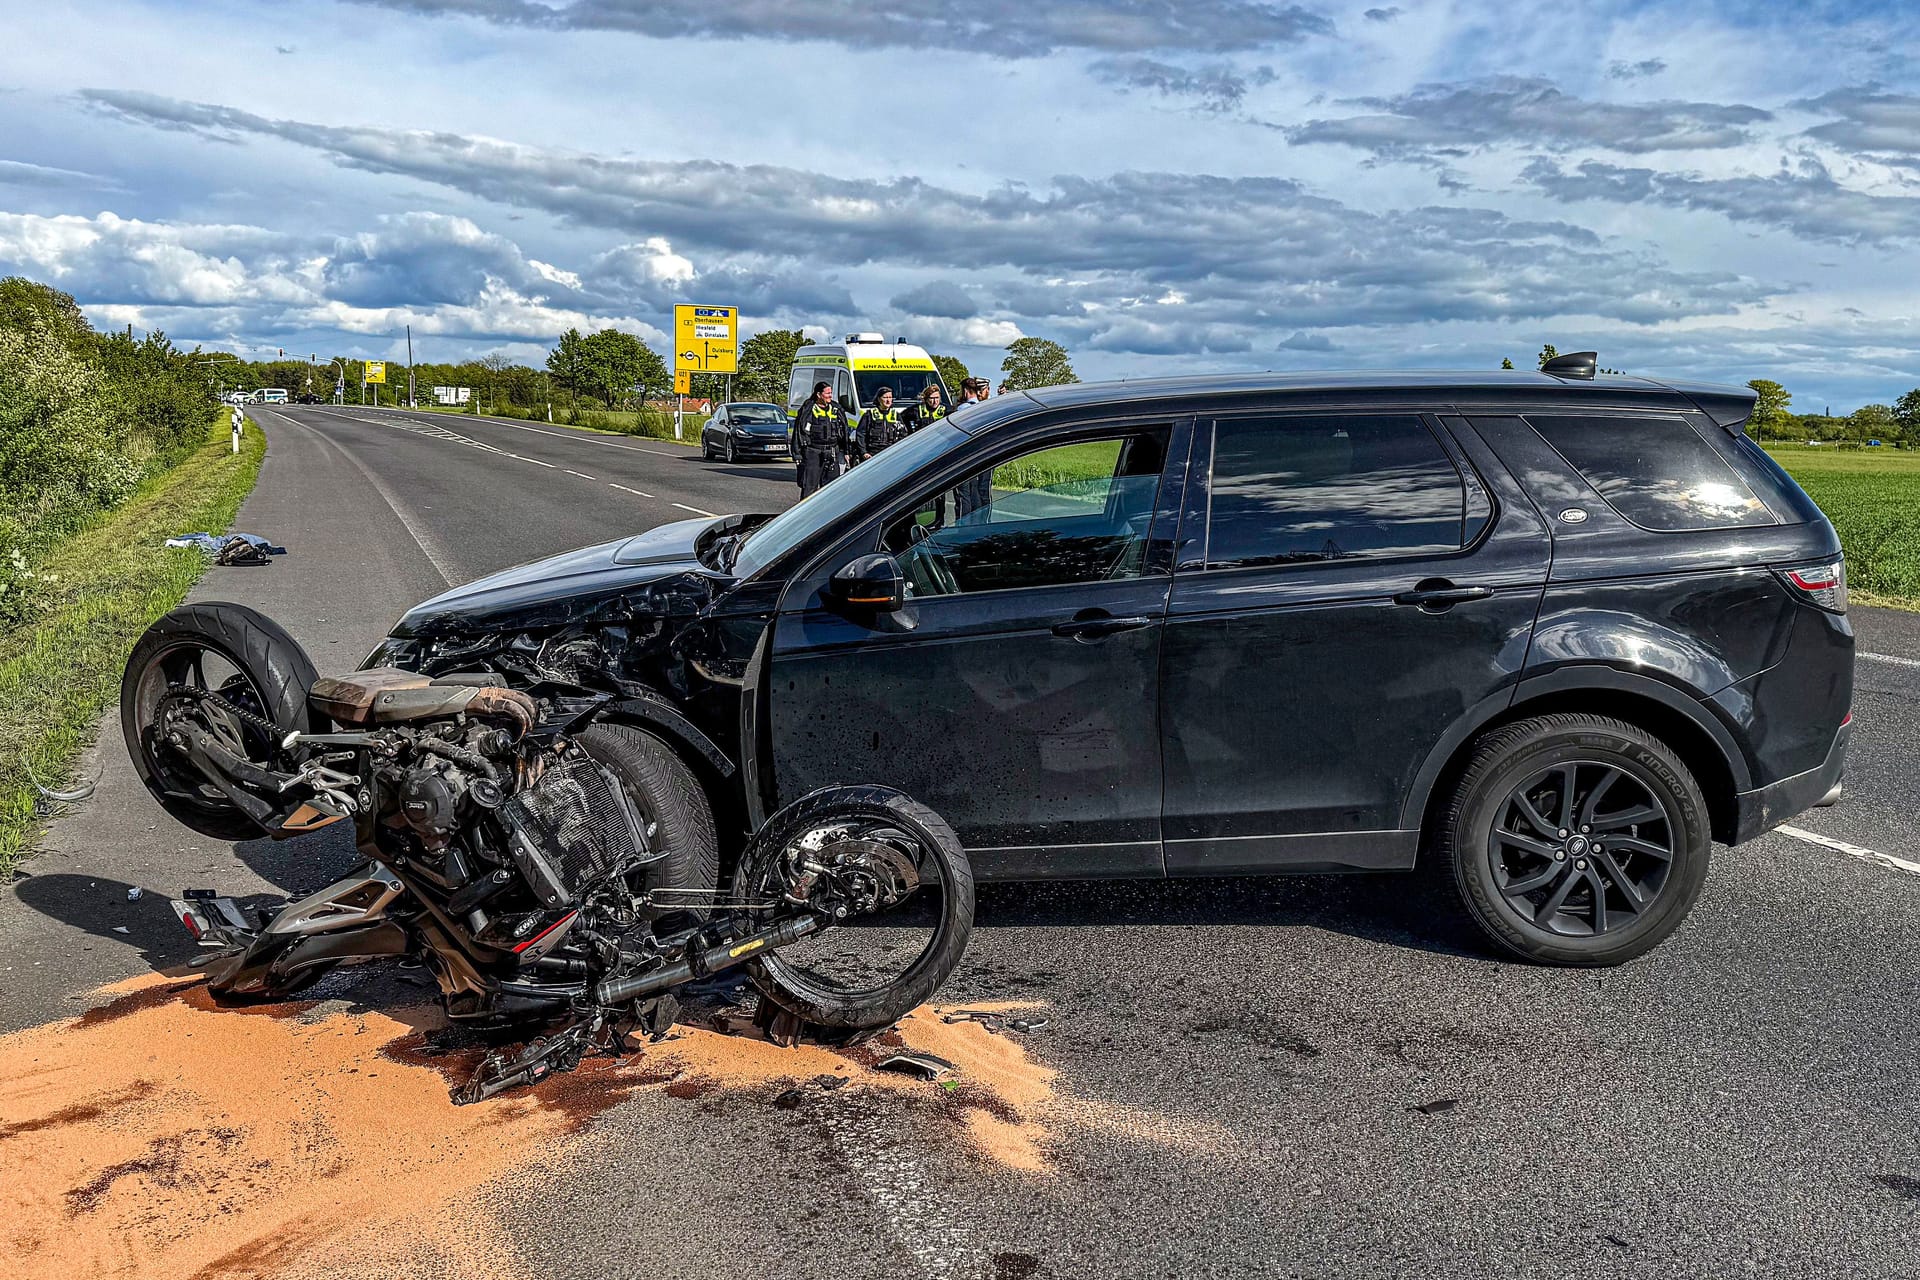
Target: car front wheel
{"x":1574,"y":840}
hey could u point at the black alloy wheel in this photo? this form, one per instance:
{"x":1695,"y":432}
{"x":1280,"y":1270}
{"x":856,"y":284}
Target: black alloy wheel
{"x":727,"y":456}
{"x":1582,"y":848}
{"x":1572,"y":839}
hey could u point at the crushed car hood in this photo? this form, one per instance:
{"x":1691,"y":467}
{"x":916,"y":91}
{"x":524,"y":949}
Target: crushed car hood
{"x":654,"y":573}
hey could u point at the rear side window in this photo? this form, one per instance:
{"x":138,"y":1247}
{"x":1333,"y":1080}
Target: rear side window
{"x":1292,"y":490}
{"x":1655,"y":471}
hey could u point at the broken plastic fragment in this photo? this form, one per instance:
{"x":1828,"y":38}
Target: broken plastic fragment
{"x":133,"y":894}
{"x":1437,"y":1107}
{"x":923,"y":1065}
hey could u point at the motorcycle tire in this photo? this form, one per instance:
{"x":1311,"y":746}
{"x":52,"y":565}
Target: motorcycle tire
{"x":277,"y":668}
{"x":671,"y":800}
{"x":944,"y":862}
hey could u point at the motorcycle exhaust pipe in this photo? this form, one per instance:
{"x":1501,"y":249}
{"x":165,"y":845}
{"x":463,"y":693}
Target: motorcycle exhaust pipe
{"x":616,"y":991}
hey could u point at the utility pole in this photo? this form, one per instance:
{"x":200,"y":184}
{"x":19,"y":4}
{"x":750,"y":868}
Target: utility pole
{"x":411,"y":402}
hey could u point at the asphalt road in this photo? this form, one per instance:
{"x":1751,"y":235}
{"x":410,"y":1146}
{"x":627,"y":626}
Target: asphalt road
{"x":1299,"y":1077}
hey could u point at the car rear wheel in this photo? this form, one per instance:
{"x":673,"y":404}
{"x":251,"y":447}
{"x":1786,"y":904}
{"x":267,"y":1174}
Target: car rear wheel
{"x":727,"y":453}
{"x":1574,"y":840}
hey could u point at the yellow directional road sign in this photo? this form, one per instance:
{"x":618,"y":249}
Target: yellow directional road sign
{"x":706,"y":339}
{"x":682,"y":382}
{"x":376,"y":371}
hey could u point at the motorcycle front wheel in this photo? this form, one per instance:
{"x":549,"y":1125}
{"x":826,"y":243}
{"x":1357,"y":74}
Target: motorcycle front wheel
{"x":872,"y":968}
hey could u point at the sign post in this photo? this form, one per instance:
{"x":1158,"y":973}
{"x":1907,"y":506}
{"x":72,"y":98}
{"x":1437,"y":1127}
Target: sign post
{"x":375,"y":375}
{"x":705,"y":340}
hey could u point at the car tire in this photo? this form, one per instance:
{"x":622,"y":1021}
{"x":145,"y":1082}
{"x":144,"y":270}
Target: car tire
{"x":1536,"y":844}
{"x":706,"y":450}
{"x":727,"y":454}
{"x":671,"y":799}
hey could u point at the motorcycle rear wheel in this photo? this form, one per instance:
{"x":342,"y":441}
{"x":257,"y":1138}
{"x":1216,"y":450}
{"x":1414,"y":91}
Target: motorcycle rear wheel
{"x":864,"y":813}
{"x":254,"y":664}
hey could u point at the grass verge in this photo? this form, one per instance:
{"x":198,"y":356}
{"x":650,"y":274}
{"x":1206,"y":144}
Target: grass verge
{"x":102,"y":588}
{"x":1873,"y":498}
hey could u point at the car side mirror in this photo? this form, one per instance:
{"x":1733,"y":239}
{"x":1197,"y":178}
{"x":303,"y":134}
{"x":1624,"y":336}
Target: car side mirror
{"x":872,"y":583}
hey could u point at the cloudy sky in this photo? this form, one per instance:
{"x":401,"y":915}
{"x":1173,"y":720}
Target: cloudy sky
{"x":1710,"y":188}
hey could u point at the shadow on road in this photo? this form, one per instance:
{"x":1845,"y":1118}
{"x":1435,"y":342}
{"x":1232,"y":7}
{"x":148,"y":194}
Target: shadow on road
{"x":1399,"y":910}
{"x":100,"y":906}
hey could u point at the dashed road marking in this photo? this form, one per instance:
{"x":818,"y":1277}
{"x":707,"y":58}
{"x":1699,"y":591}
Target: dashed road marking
{"x":570,"y":471}
{"x":1888,"y":657}
{"x":697,"y":511}
{"x":622,"y":488}
{"x":1878,"y":859}
{"x":519,"y":457}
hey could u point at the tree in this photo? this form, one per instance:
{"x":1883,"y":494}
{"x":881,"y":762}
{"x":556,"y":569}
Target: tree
{"x":493,"y":365}
{"x":1906,"y":412}
{"x":27,"y":304}
{"x":1547,"y":353}
{"x":952,"y":372}
{"x":567,"y":362}
{"x":1506,"y":362}
{"x":766,"y":364}
{"x":1036,"y":362}
{"x":1770,"y":408}
{"x":616,"y":363}
{"x":1871,"y":422}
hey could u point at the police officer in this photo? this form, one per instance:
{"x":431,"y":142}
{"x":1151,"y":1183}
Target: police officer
{"x":879,"y":426}
{"x":928,"y":411}
{"x":974,"y":492}
{"x":820,"y":438}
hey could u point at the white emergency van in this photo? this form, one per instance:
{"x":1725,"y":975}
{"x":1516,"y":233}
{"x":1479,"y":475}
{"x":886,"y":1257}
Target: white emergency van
{"x":858,"y":368}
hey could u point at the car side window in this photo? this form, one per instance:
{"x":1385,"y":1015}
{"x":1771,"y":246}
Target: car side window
{"x":1655,"y":471}
{"x":1291,"y":489}
{"x":1078,"y":512}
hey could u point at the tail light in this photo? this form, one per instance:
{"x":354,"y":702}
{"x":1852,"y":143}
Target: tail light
{"x":1821,"y":584}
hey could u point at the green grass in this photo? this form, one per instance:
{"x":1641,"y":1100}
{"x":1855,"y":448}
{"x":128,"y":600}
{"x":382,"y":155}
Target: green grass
{"x":98,"y":590}
{"x":1092,"y":461}
{"x":1873,"y":498}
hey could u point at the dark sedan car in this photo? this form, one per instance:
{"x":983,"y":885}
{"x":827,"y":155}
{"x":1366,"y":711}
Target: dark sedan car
{"x":744,"y":430}
{"x":1550,"y":636}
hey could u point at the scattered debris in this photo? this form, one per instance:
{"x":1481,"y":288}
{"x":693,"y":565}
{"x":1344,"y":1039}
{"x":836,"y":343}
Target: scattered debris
{"x":50,"y":796}
{"x":789,"y":1099}
{"x":120,"y":928}
{"x":924,"y":1065}
{"x":134,"y":894}
{"x":995,"y":1022}
{"x":1439,"y":1106}
{"x":829,"y":1081}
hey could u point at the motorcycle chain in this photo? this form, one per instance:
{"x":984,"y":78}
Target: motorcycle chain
{"x":259,"y":722}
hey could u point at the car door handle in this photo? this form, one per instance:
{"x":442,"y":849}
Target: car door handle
{"x":1441,"y":596}
{"x":1093,"y":628}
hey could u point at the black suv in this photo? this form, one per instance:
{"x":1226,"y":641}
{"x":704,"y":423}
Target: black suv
{"x":1549,"y":636}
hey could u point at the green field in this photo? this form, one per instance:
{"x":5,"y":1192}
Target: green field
{"x":1873,"y":498}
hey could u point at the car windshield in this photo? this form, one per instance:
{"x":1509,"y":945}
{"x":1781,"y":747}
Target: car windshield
{"x":906,"y":383}
{"x":756,"y":413}
{"x":849,"y":493}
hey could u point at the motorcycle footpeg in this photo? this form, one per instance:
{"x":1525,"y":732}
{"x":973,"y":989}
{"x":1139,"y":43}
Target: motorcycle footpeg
{"x":213,"y":922}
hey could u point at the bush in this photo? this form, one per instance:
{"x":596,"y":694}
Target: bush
{"x":84,"y":419}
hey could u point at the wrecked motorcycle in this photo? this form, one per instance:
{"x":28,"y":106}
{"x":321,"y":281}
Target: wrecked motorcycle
{"x":546,"y":861}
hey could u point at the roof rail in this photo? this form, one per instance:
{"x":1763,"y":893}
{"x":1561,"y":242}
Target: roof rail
{"x":1575,"y":364}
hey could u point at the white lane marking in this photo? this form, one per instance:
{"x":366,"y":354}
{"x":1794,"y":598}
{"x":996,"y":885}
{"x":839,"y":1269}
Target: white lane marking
{"x":697,"y":511}
{"x":535,"y":461}
{"x":1886,"y":860}
{"x":622,"y":488}
{"x":1888,"y":657}
{"x":570,"y":471}
{"x":443,"y":564}
{"x":581,"y":435}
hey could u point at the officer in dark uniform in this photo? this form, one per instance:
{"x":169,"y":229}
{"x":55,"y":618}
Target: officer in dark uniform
{"x":879,"y":426}
{"x":820,"y":439}
{"x":974,"y":492}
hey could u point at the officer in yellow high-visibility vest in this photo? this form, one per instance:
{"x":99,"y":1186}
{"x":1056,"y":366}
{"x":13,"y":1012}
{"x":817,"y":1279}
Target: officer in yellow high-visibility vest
{"x":879,"y":426}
